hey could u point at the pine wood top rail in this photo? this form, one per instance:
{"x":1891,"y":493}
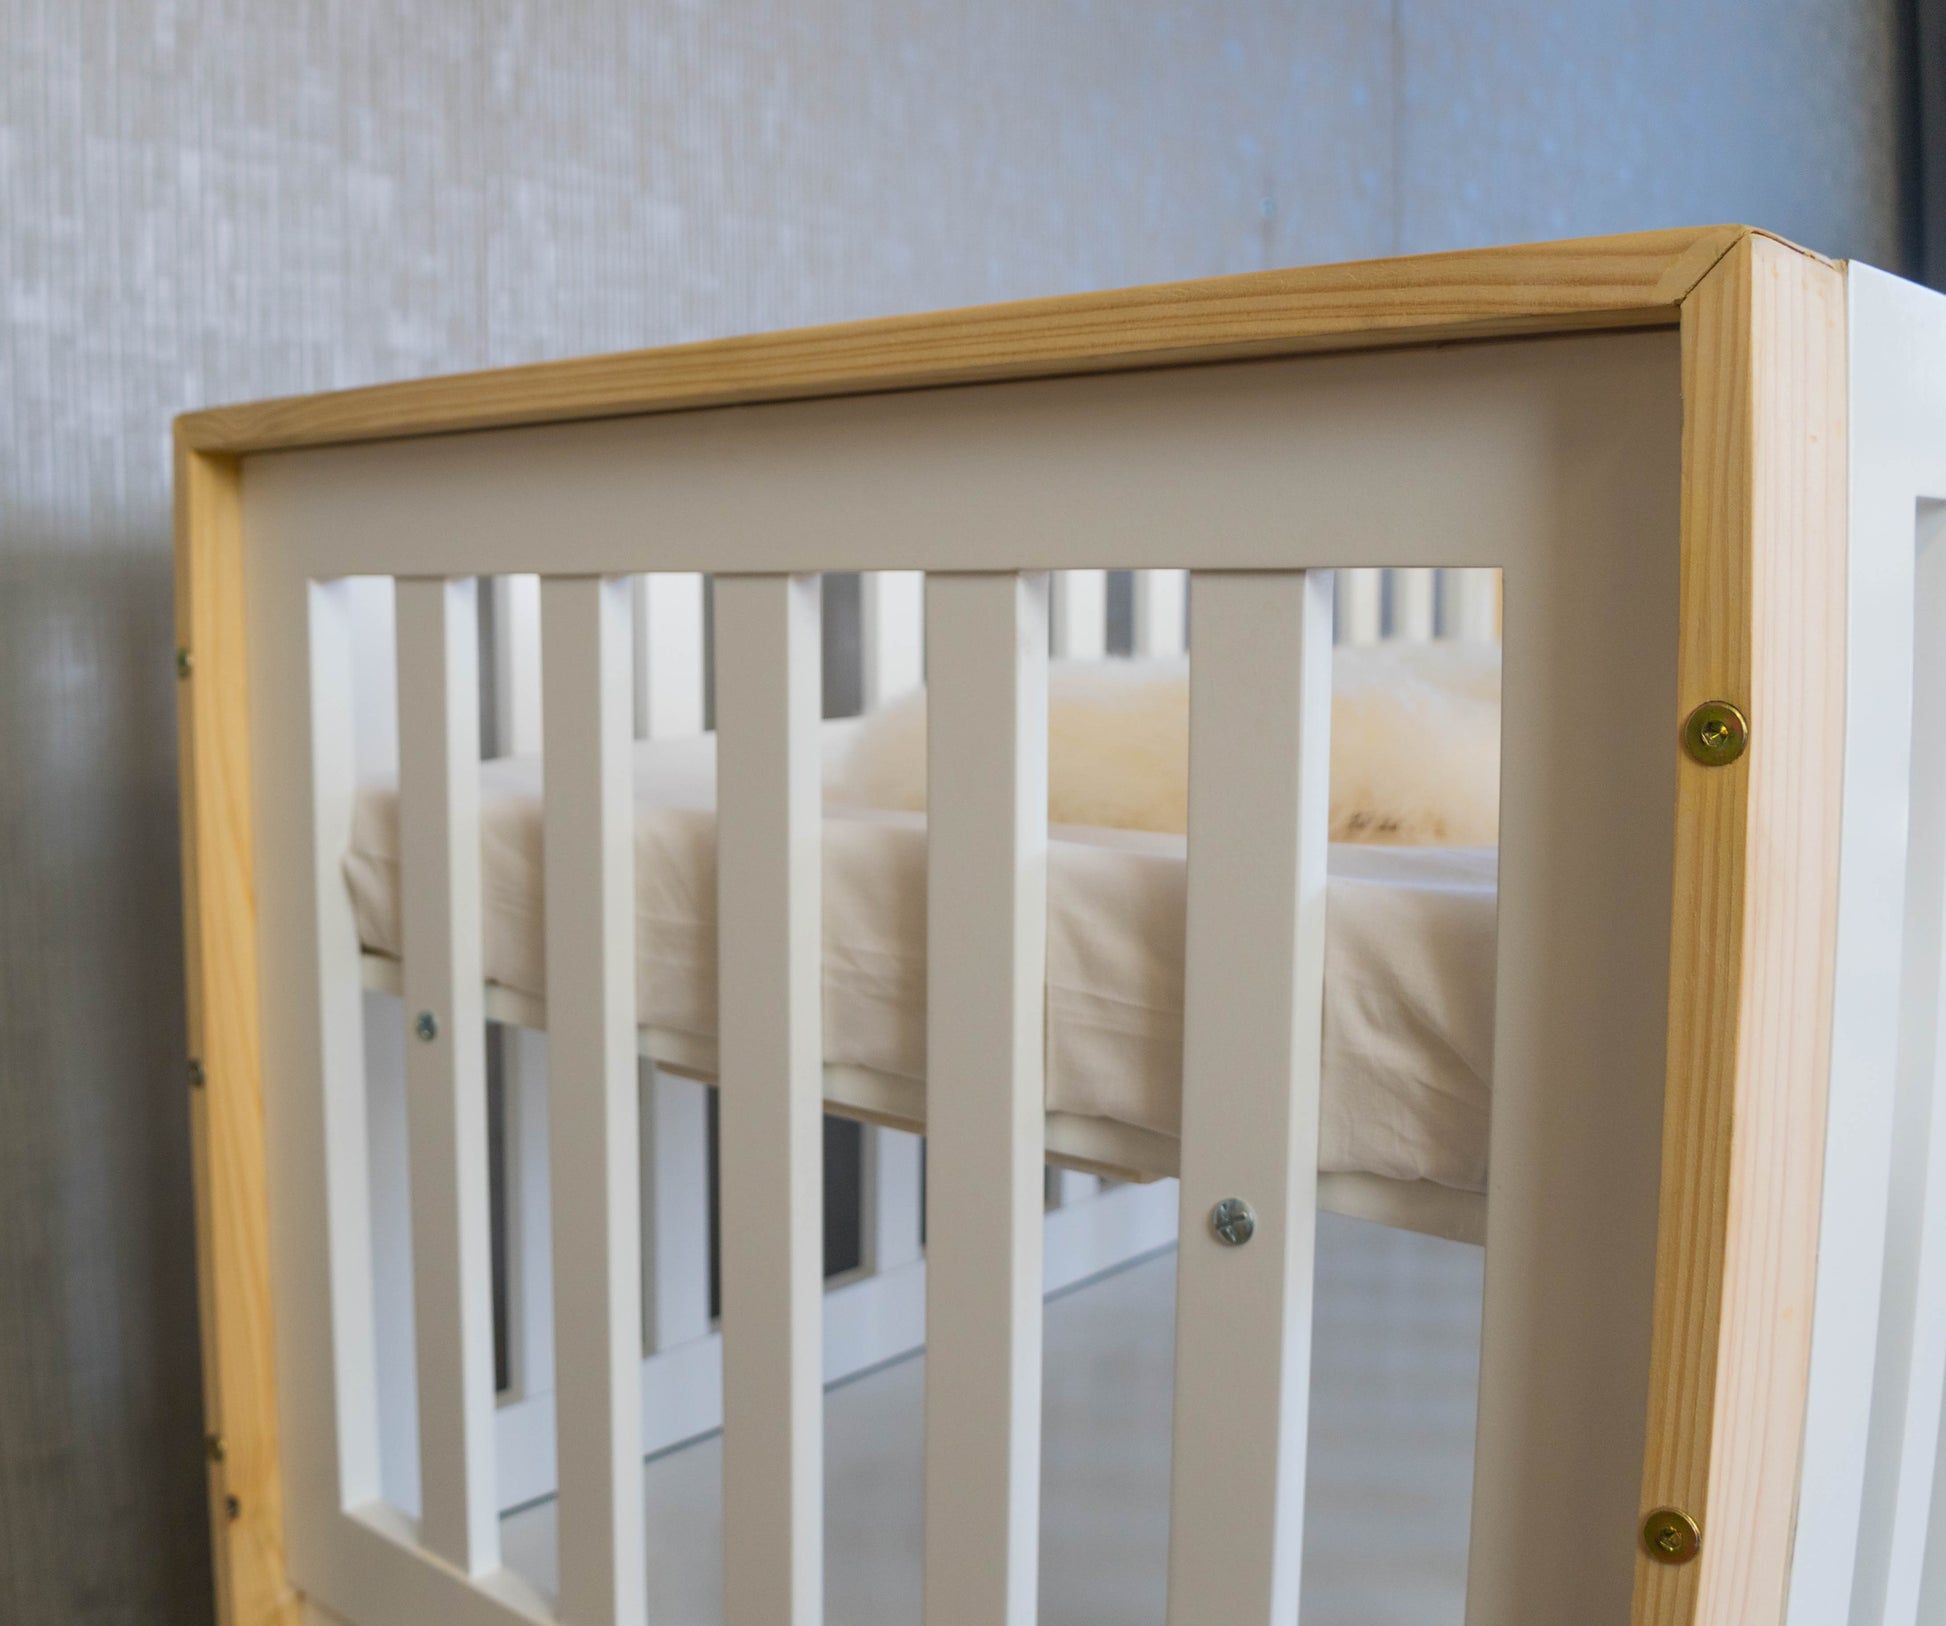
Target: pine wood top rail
{"x":1636,"y":280}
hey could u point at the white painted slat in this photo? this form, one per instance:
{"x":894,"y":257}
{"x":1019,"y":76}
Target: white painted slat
{"x":452,"y":1270}
{"x":1360,"y":606}
{"x":668,"y":655}
{"x":1469,"y":605}
{"x":986,"y":638}
{"x":331,"y":1124}
{"x":1413,"y":607}
{"x":593,"y":1126}
{"x":1259,"y":765}
{"x":1079,"y":614}
{"x":516,"y":655}
{"x":893,"y":631}
{"x":892,"y":1197}
{"x":770,"y":1124}
{"x":1161,"y":612}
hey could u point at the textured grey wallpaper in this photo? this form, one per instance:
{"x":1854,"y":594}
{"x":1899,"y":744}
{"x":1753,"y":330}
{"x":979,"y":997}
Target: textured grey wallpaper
{"x":203,"y":200}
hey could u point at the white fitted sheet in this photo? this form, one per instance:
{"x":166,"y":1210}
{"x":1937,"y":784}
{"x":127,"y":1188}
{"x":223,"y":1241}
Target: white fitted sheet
{"x":1408,"y":1011}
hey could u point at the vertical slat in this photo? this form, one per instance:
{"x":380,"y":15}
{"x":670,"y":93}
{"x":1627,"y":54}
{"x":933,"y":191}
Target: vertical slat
{"x":771,"y":1146}
{"x":593,"y":1111}
{"x":893,"y":638}
{"x":1079,"y":614}
{"x":1068,"y":1186}
{"x":530,"y":1226}
{"x":1161,"y":612}
{"x":1360,"y":616}
{"x":669,"y":616}
{"x":452,"y":1269}
{"x":894,"y":621}
{"x":516,"y":665}
{"x":892,"y":1198}
{"x":1412,"y":618}
{"x":986,"y":638}
{"x":1469,"y":605}
{"x":675,"y":1209}
{"x":668,"y":655}
{"x":1260,"y":715}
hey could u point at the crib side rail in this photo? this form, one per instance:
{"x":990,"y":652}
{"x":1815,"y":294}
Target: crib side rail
{"x":1576,"y":1153}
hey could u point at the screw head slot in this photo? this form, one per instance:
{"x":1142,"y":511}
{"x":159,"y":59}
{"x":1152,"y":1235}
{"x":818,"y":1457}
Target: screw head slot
{"x":427,"y":1026}
{"x":1233,"y":1221}
{"x":1670,"y":1536}
{"x":1715,"y":734}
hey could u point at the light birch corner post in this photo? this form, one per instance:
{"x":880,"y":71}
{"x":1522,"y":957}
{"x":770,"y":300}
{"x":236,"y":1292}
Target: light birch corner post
{"x":1753,"y":928}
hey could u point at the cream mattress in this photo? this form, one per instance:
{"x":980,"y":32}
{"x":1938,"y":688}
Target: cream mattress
{"x":1408,"y":1012}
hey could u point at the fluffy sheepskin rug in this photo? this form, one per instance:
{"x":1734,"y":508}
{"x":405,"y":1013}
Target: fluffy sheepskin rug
{"x":1415,"y":746}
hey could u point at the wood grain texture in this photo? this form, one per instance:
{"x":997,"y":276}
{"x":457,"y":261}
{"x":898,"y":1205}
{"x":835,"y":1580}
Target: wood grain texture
{"x":1595,"y":282}
{"x":220,"y":949}
{"x":1754,"y":921}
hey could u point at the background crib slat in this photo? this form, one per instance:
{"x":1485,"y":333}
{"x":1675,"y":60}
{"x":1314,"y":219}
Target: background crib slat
{"x":1260,"y":712}
{"x":892,"y":633}
{"x":1414,"y":606}
{"x":1078,"y":611}
{"x":1469,"y":605}
{"x":1161,"y":624}
{"x":593,"y":1112}
{"x":446,"y":1109}
{"x":1360,"y":615}
{"x":668,"y":655}
{"x":986,"y":637}
{"x":769,"y":859}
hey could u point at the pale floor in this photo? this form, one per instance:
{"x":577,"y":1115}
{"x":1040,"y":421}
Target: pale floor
{"x":1395,"y":1362}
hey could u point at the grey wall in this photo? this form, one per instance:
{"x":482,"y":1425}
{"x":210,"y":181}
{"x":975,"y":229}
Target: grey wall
{"x":212,"y":199}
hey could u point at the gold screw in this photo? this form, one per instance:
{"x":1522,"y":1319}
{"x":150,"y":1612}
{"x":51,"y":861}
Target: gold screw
{"x":1671,"y":1536}
{"x":185,"y":663}
{"x":216,"y":1449}
{"x":1715,"y":734}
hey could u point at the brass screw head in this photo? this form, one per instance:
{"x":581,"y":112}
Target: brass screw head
{"x":185,"y":663}
{"x":1233,"y":1222}
{"x":1671,"y":1536}
{"x":196,"y":1073}
{"x":427,"y":1026}
{"x":1715,"y":734}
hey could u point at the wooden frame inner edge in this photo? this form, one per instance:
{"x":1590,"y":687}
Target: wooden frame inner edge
{"x":1753,"y":928}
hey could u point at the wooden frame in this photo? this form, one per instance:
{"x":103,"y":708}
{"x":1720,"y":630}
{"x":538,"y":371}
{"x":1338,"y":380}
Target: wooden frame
{"x":1762,"y":328}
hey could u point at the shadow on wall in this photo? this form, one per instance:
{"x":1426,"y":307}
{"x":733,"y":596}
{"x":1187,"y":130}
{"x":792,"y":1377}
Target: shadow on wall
{"x":100,"y":1388}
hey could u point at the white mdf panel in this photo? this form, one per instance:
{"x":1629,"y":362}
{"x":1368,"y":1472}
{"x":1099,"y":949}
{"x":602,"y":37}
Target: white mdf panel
{"x":593,"y":1129}
{"x":893,"y":633}
{"x":771,"y":1125}
{"x":1865,"y":1552}
{"x":1078,"y":612}
{"x":445,"y":1066}
{"x":669,"y":612}
{"x":986,"y":638}
{"x":1259,"y":821}
{"x":1205,"y":466}
{"x":1587,"y":834}
{"x":1161,"y":609}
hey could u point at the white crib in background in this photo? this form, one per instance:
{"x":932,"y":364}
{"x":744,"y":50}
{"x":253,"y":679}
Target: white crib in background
{"x":1714,"y":1342}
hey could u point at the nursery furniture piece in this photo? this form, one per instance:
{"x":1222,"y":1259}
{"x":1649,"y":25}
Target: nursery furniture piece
{"x":1709,"y":467}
